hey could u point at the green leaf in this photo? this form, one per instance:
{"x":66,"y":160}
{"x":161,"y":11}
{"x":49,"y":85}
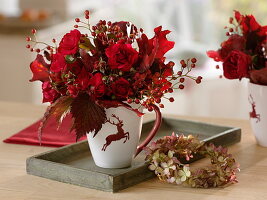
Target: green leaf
{"x":70,"y":59}
{"x":59,"y":109}
{"x":87,"y":45}
{"x":87,"y":115}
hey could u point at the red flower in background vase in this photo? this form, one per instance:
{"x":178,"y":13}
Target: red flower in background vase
{"x":121,"y":88}
{"x":121,"y":56}
{"x":69,"y":44}
{"x":236,"y":65}
{"x":49,"y":94}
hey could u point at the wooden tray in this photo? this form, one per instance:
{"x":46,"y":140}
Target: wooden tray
{"x":73,"y":163}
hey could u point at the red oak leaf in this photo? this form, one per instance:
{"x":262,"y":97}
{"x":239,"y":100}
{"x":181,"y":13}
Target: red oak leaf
{"x":39,"y":69}
{"x":87,"y":115}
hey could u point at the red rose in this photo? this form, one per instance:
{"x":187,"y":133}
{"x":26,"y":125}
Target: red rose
{"x":98,"y":87}
{"x":69,"y":44}
{"x":121,"y":56}
{"x":121,"y":88}
{"x":58,"y":63}
{"x":235,"y":42}
{"x":236,"y":65}
{"x":49,"y":94}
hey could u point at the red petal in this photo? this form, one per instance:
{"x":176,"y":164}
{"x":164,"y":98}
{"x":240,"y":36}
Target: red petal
{"x":215,"y":55}
{"x":39,"y":69}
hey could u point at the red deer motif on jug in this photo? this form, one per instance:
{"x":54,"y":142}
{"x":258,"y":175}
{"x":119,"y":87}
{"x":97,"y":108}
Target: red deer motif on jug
{"x":253,"y":113}
{"x":117,"y":136}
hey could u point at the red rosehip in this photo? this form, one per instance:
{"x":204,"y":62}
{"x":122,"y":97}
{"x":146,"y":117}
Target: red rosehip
{"x":129,"y":100}
{"x":193,"y":65}
{"x":109,"y":23}
{"x":231,"y":30}
{"x":227,"y":34}
{"x":141,"y":30}
{"x":171,"y":99}
{"x":137,"y":101}
{"x":193,"y":60}
{"x":182,"y":80}
{"x":182,"y":62}
{"x":217,"y":67}
{"x":231,"y":19}
{"x":220,"y":76}
{"x":28,"y":46}
{"x":93,"y":34}
{"x":28,"y":39}
{"x":48,"y":47}
{"x":38,"y":50}
{"x":104,"y":22}
{"x":86,"y":17}
{"x":179,"y":73}
{"x":76,"y":26}
{"x":77,"y":20}
{"x":86,"y":12}
{"x":31,"y":49}
{"x":170,"y":90}
{"x":161,"y":105}
{"x":54,"y":40}
{"x":33,"y":31}
{"x":158,"y":100}
{"x":181,"y":86}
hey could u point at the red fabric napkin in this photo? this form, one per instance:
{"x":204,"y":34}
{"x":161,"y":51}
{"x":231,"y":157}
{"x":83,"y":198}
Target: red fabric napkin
{"x":51,"y":136}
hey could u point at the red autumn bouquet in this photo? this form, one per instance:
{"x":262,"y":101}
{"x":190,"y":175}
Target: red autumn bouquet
{"x":244,"y":53}
{"x":90,"y":72}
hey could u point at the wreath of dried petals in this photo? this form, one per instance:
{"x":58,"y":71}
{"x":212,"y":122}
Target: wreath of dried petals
{"x":167,"y":155}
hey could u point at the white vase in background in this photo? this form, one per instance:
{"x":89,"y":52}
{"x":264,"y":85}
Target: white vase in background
{"x":257,"y":96}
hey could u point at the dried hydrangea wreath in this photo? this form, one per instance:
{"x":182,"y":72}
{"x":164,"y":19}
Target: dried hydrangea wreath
{"x":166,"y":155}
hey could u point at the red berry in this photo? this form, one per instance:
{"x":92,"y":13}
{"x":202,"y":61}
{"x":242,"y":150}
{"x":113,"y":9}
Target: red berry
{"x":33,"y":31}
{"x":170,"y":90}
{"x":231,"y":30}
{"x":198,"y":81}
{"x":231,"y":19}
{"x":129,"y":100}
{"x":150,"y":108}
{"x":161,"y":105}
{"x":141,"y":30}
{"x":93,"y":34}
{"x":193,"y":65}
{"x":86,"y":17}
{"x":181,"y":80}
{"x":48,"y":47}
{"x":76,"y":26}
{"x":158,"y":100}
{"x":220,"y":76}
{"x":199,"y":77}
{"x":38,"y":50}
{"x":31,"y":49}
{"x":28,"y":39}
{"x":182,"y":62}
{"x":137,"y":101}
{"x":227,"y":34}
{"x":54,"y":40}
{"x":179,"y":73}
{"x":109,"y":23}
{"x":171,"y":99}
{"x":181,"y":86}
{"x":193,"y":60}
{"x":104,"y":22}
{"x":28,"y":46}
{"x":86,"y":12}
{"x":77,"y":20}
{"x":184,"y":65}
{"x":217,"y":67}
